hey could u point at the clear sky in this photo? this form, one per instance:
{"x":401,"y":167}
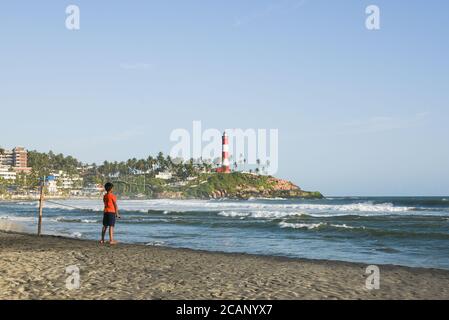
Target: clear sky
{"x":359,"y":112}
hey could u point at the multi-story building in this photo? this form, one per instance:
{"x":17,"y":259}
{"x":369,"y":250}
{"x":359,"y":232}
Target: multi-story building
{"x":7,"y":158}
{"x":16,"y":159}
{"x":20,"y":157}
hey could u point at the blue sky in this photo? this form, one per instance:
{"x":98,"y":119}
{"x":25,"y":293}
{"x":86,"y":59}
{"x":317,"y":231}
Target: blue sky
{"x":359,"y":112}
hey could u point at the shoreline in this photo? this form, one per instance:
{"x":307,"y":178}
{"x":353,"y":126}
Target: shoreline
{"x":140,"y":271}
{"x":14,"y":227}
{"x":203,"y":251}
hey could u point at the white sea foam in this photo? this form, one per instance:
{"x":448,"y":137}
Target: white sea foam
{"x":27,"y":203}
{"x":309,"y":226}
{"x":155,"y":243}
{"x":18,"y":219}
{"x":76,"y":234}
{"x":267,"y":199}
{"x":261,"y":214}
{"x":252,"y":208}
{"x":344,"y":226}
{"x":233,"y":214}
{"x":72,"y":219}
{"x":207,"y":205}
{"x":88,"y":221}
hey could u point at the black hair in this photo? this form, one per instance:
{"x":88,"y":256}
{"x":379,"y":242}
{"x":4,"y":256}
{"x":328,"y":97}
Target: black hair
{"x":108,"y":186}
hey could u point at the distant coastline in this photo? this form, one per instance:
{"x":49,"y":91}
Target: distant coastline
{"x":234,"y":185}
{"x":160,"y":177}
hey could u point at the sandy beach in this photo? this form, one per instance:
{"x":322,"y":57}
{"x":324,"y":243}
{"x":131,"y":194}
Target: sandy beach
{"x":35,"y":268}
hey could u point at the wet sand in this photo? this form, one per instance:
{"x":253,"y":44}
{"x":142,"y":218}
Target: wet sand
{"x":35,"y":268}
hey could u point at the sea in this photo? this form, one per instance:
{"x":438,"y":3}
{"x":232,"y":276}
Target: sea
{"x":408,"y":231}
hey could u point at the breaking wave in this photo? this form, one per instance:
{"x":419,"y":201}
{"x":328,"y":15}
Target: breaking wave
{"x":262,"y":208}
{"x":311,"y":226}
{"x":62,"y":219}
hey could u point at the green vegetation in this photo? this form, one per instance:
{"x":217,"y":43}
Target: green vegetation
{"x":244,"y":186}
{"x":230,"y":184}
{"x":152,"y":166}
{"x":44,"y":164}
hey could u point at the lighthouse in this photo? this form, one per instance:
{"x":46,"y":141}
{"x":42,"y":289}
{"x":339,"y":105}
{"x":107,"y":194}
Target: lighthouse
{"x":225,"y":164}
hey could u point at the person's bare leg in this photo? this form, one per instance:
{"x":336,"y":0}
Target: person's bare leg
{"x":103,"y":232}
{"x":111,"y":236}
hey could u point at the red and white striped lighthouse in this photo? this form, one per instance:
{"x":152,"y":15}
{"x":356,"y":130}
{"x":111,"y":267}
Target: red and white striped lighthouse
{"x":226,"y":165}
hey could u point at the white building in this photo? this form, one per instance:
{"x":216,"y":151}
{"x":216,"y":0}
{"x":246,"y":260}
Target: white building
{"x":92,"y":189}
{"x":164,"y":175}
{"x":51,"y":185}
{"x":65,"y":182}
{"x":6,"y":174}
{"x":7,"y":158}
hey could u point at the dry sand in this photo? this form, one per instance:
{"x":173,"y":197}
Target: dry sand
{"x":35,"y":268}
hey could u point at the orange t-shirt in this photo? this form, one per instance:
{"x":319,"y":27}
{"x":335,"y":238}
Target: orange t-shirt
{"x":109,"y":200}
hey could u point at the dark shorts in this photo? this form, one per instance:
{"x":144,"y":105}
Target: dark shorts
{"x":109,"y":219}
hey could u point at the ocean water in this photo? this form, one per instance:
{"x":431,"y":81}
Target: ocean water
{"x":402,"y":231}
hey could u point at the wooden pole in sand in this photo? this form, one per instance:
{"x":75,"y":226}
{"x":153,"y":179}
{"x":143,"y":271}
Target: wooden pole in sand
{"x":41,"y":206}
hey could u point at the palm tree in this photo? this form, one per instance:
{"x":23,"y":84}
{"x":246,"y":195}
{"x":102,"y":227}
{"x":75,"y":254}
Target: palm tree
{"x":160,"y":161}
{"x":169,"y":163}
{"x":151,"y":162}
{"x":258,"y":165}
{"x":141,"y":166}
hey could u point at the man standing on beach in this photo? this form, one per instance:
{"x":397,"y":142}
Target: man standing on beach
{"x":110,"y":213}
